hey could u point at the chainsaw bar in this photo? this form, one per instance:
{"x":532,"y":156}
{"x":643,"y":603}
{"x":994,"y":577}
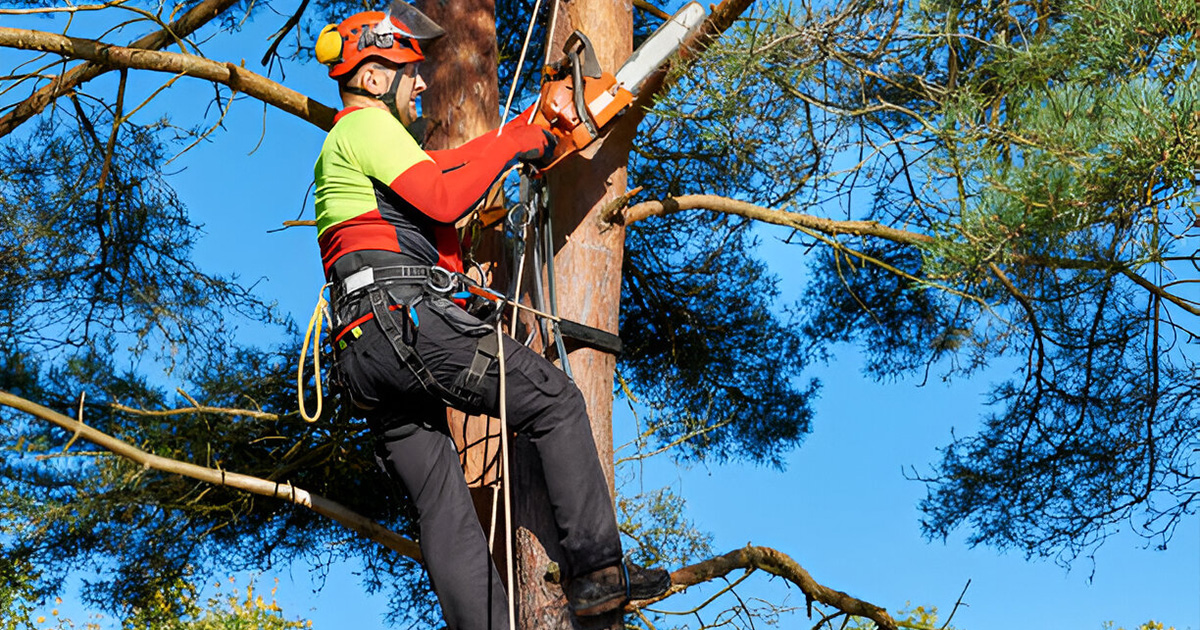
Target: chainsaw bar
{"x":653,"y":52}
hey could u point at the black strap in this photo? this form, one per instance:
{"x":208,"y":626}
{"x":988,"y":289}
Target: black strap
{"x":469,"y":384}
{"x":467,"y":392}
{"x":408,"y":356}
{"x":601,"y":340}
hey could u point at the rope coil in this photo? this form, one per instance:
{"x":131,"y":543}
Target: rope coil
{"x":315,"y":323}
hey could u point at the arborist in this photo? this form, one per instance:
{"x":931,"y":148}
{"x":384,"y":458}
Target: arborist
{"x":386,"y":213}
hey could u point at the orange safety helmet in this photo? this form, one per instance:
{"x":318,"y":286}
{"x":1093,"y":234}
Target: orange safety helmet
{"x":394,"y":35}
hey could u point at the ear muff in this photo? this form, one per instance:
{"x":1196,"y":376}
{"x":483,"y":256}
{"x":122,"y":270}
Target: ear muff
{"x":329,"y":46}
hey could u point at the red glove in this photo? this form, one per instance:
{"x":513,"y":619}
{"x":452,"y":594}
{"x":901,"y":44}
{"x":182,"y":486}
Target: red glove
{"x":530,"y":143}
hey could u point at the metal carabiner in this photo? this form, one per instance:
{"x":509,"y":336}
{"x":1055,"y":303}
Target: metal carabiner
{"x":446,"y":275}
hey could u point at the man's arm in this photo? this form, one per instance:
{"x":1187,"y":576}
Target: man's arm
{"x":386,"y":152}
{"x":449,"y":159}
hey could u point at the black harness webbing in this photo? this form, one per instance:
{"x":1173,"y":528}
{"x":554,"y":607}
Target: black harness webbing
{"x":466,"y":393}
{"x":408,"y":356}
{"x":470,"y":381}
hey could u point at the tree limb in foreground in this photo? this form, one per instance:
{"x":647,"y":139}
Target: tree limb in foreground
{"x":287,"y":492}
{"x":236,"y":77}
{"x":775,"y":563}
{"x":671,"y":205}
{"x":187,"y":24}
{"x":749,"y":557}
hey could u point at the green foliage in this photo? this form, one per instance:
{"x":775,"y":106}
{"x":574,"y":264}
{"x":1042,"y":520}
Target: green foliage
{"x":1041,"y":162}
{"x":180,"y":606}
{"x":1149,"y":625}
{"x":18,"y":592}
{"x":96,"y":250}
{"x":703,"y":347}
{"x":920,"y":617}
{"x":663,"y":536}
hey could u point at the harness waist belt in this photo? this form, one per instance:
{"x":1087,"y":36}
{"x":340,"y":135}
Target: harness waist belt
{"x":367,"y":276}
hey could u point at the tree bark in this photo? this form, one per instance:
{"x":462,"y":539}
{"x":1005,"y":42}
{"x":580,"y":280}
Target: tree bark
{"x":462,"y":102}
{"x":588,"y":255}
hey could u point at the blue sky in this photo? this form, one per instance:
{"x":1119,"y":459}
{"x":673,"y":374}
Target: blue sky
{"x":842,"y":508}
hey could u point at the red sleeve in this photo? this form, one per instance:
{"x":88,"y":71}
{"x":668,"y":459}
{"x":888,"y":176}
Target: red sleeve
{"x":453,"y":158}
{"x":446,"y":196}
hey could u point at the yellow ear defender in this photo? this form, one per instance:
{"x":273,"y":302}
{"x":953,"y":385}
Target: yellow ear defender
{"x":329,"y":45}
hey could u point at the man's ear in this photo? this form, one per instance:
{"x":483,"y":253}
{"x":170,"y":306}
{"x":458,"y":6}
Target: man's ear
{"x":379,"y":79}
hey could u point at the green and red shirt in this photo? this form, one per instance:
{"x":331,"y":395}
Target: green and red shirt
{"x":376,"y":189}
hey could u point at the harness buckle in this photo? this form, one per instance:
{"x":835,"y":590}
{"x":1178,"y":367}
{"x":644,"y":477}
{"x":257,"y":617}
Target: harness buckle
{"x":441,"y":281}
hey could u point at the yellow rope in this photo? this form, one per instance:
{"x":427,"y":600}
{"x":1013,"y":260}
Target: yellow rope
{"x":314,"y":323}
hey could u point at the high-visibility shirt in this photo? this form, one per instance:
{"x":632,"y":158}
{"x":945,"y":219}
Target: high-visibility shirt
{"x":376,"y":189}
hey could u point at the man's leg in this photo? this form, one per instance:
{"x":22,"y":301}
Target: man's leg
{"x":455,"y":549}
{"x":545,"y":405}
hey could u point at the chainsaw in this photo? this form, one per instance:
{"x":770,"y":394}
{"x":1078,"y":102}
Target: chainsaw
{"x":579,"y":99}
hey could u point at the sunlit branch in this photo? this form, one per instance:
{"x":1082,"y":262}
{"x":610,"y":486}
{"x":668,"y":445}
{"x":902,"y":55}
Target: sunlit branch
{"x":237,"y":78}
{"x":285,"y":491}
{"x":196,"y":17}
{"x":671,"y":205}
{"x":72,"y":9}
{"x":775,"y":563}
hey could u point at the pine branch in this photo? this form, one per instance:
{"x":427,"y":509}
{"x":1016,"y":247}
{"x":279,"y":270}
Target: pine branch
{"x":187,"y":24}
{"x":796,"y":220}
{"x":287,"y":492}
{"x":237,"y":78}
{"x":775,"y":563}
{"x":671,"y":205}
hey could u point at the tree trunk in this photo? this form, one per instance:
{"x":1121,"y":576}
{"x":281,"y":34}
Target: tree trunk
{"x":462,"y":102}
{"x":588,"y":256}
{"x":590,"y":251}
{"x":463,"y":99}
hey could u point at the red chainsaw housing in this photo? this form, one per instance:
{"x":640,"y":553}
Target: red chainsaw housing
{"x":556,"y":111}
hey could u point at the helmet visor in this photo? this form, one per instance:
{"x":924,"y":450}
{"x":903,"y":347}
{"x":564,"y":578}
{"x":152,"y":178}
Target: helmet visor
{"x":416,"y":25}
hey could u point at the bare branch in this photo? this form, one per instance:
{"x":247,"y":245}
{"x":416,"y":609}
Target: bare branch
{"x":797,"y":220}
{"x":287,"y":492}
{"x":69,"y":9}
{"x":775,"y":563}
{"x":237,"y":78}
{"x":258,"y":415}
{"x":198,"y":16}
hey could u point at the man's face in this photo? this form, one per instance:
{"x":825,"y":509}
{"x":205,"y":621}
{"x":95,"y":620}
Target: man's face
{"x":412,"y":84}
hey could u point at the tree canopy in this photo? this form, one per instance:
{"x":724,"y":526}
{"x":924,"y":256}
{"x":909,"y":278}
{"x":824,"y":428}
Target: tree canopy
{"x":965,"y":185}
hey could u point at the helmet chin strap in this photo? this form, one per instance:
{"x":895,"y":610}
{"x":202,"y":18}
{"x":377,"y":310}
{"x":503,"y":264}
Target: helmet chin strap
{"x":392,"y":97}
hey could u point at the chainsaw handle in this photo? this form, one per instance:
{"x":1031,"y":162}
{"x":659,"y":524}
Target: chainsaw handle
{"x":579,"y":44}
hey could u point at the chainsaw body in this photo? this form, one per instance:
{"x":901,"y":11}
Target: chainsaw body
{"x":578,"y":99}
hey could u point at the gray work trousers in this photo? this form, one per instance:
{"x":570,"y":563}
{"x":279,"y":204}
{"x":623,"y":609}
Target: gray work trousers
{"x":414,"y":448}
